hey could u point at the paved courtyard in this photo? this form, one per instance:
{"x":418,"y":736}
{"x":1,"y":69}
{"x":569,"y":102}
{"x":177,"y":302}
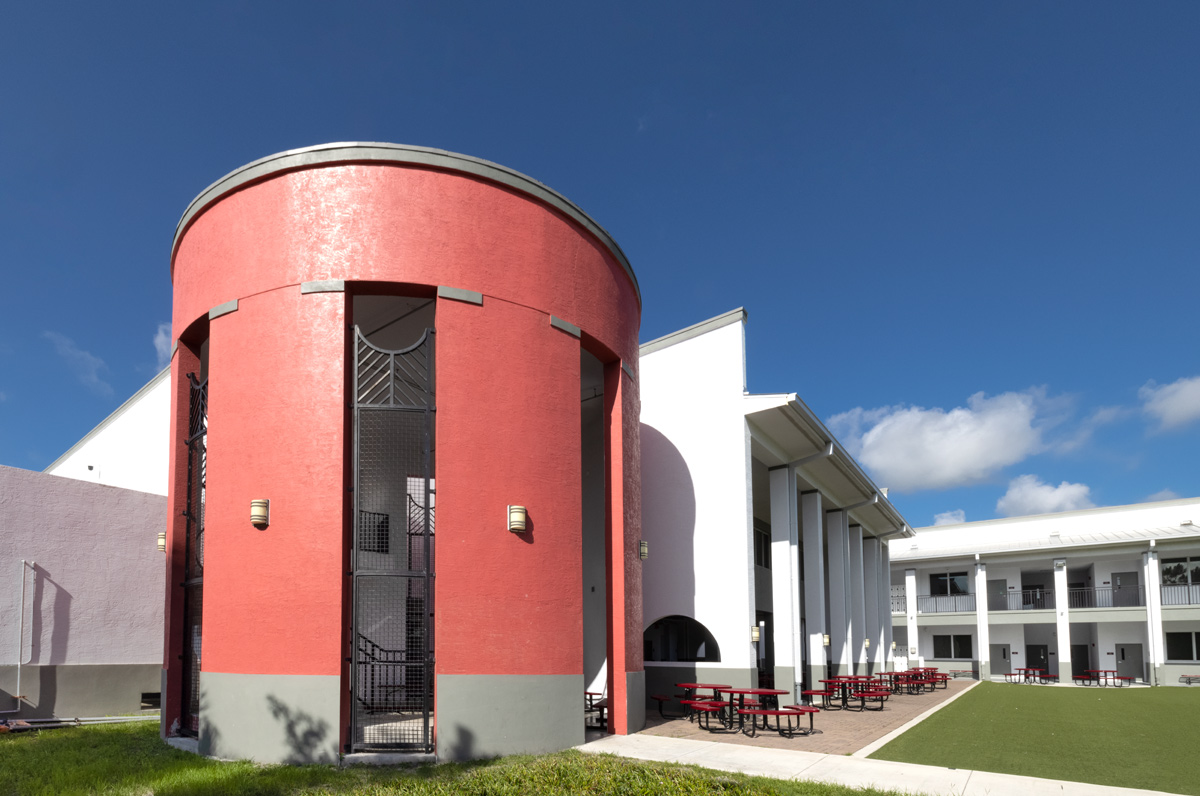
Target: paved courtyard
{"x":842,"y":732}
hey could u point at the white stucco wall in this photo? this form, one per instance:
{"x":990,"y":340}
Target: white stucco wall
{"x":127,"y":449}
{"x":95,"y":593}
{"x":696,"y":499}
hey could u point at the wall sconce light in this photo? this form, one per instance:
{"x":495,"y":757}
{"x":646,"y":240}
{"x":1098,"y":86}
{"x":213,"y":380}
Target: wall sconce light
{"x":1060,"y":563}
{"x":825,"y":639}
{"x":867,"y":643}
{"x":260,"y":513}
{"x":517,"y":518}
{"x":893,"y":646}
{"x":162,"y":541}
{"x":912,"y":650}
{"x":643,"y":550}
{"x":755,"y":635}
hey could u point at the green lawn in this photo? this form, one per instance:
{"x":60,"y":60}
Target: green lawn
{"x":1130,"y":737}
{"x":130,"y":759}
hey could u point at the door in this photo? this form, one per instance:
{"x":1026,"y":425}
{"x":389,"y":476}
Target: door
{"x":1037,"y":657}
{"x":1129,"y":661}
{"x":392,"y":555}
{"x":1079,"y":660}
{"x":1000,"y":660}
{"x":997,"y":595}
{"x":193,"y":568}
{"x":1125,"y":589}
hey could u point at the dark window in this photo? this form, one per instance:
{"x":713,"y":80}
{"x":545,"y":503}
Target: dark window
{"x":679,"y":638}
{"x":762,"y":544}
{"x":944,"y":583}
{"x":1179,"y":646}
{"x":952,"y":647}
{"x":373,"y":532}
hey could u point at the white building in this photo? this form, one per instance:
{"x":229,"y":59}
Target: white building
{"x":1113,"y":588}
{"x":756,"y":518}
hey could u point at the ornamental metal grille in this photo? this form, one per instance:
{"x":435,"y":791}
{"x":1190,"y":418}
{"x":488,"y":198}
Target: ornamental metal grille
{"x":193,"y":568}
{"x":392,"y":560}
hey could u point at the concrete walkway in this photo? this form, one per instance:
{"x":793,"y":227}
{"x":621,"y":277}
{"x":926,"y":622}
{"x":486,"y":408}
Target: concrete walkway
{"x":856,"y":772}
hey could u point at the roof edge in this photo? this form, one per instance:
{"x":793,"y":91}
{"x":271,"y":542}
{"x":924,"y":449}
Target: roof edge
{"x":368,"y":151}
{"x":695,"y":330}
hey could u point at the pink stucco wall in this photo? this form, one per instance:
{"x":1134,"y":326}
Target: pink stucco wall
{"x":94,"y":595}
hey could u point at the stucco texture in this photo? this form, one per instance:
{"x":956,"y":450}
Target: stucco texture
{"x":94,"y":595}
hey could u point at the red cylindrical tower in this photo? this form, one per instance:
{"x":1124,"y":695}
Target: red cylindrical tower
{"x":338,"y":626}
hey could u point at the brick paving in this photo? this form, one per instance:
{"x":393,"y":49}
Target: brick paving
{"x":842,"y":732}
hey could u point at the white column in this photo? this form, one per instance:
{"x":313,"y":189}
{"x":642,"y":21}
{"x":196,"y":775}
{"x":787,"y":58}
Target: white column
{"x":1062,"y":616}
{"x":983,"y":638}
{"x":910,"y":599}
{"x":858,"y":601}
{"x":785,"y":578}
{"x":885,"y":598}
{"x":1155,"y":640}
{"x":840,"y":608}
{"x":812,"y":522}
{"x":874,"y":584}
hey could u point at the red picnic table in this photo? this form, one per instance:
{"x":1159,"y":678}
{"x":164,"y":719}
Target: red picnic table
{"x":742,"y":693}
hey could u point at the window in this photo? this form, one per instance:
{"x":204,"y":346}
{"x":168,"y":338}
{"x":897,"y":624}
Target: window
{"x":946,"y":583}
{"x":762,"y":544}
{"x":1181,"y":571}
{"x":679,"y":638}
{"x":952,"y":647}
{"x":1183,"y":646}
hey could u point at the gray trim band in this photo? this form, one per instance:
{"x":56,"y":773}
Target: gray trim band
{"x":628,"y":370}
{"x":223,"y":309}
{"x":324,"y":286}
{"x":569,"y":328}
{"x":174,"y":348}
{"x":458,"y":294}
{"x":694,"y":330}
{"x":359,"y":152}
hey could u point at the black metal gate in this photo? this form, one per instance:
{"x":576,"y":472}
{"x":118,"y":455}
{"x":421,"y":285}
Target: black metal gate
{"x":193,"y":568}
{"x":392,"y":561}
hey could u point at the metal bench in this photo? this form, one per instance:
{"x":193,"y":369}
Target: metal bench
{"x":1188,"y":679}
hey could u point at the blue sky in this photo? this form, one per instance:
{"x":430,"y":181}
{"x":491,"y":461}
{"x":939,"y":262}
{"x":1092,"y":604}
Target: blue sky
{"x":966,"y":233}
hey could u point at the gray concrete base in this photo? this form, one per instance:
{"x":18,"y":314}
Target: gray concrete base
{"x":488,"y":715}
{"x":78,"y":690}
{"x":785,"y":680}
{"x":184,"y":744}
{"x":635,"y":700}
{"x":270,"y":718}
{"x":387,"y":759}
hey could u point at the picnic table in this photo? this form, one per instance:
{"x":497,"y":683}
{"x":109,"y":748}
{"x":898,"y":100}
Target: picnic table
{"x":741,"y":694}
{"x":1102,"y":676}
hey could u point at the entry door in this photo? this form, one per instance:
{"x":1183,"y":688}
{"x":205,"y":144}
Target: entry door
{"x":1079,"y":660}
{"x":392,"y":557}
{"x":1001,"y":664}
{"x":1125,"y":589}
{"x":997,"y":595}
{"x":1129,"y":661}
{"x":1037,"y":656}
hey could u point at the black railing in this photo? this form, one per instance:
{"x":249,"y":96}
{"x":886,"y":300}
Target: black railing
{"x":389,"y":681}
{"x":1107,"y":597}
{"x":1025,"y":600}
{"x":1181,"y":594}
{"x":899,"y":603}
{"x":945,"y":603}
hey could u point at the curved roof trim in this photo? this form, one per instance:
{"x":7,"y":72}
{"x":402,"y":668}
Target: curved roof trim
{"x":367,"y":152}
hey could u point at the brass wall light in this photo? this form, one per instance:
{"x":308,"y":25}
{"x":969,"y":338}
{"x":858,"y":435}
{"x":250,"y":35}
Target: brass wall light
{"x":755,"y":634}
{"x":825,"y":639}
{"x":643,"y":550}
{"x":517,"y":518}
{"x":867,"y":643}
{"x":162,"y":541}
{"x":260,"y":513}
{"x":893,"y":646}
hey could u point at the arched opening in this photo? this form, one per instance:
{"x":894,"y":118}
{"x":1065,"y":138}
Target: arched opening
{"x":681,"y":639}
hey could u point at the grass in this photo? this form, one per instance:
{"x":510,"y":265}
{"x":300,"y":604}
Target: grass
{"x":129,"y":759}
{"x":1128,"y":737}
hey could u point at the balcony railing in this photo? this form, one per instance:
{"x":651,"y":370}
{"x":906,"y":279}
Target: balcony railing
{"x":1106,"y":597}
{"x":1027,"y":600}
{"x":899,"y":601}
{"x":1181,"y":594}
{"x":945,"y":603}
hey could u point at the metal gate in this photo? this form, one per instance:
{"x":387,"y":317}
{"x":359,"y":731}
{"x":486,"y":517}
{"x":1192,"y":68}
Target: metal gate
{"x":392,"y":560}
{"x":193,"y":567}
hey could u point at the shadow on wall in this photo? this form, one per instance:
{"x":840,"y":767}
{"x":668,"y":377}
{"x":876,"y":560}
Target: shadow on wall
{"x":305,"y":734}
{"x":669,"y":526}
{"x":49,"y":599}
{"x":463,"y":747}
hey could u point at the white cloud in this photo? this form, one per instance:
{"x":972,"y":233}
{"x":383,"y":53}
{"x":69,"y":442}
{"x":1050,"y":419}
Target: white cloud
{"x":1027,"y":494}
{"x":1164,"y":494}
{"x":86,"y":367}
{"x":162,"y":344}
{"x":1173,"y":405}
{"x":950,"y":517}
{"x":912,"y":448}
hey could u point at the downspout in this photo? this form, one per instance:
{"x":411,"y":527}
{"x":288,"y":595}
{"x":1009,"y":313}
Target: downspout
{"x":18,"y":696}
